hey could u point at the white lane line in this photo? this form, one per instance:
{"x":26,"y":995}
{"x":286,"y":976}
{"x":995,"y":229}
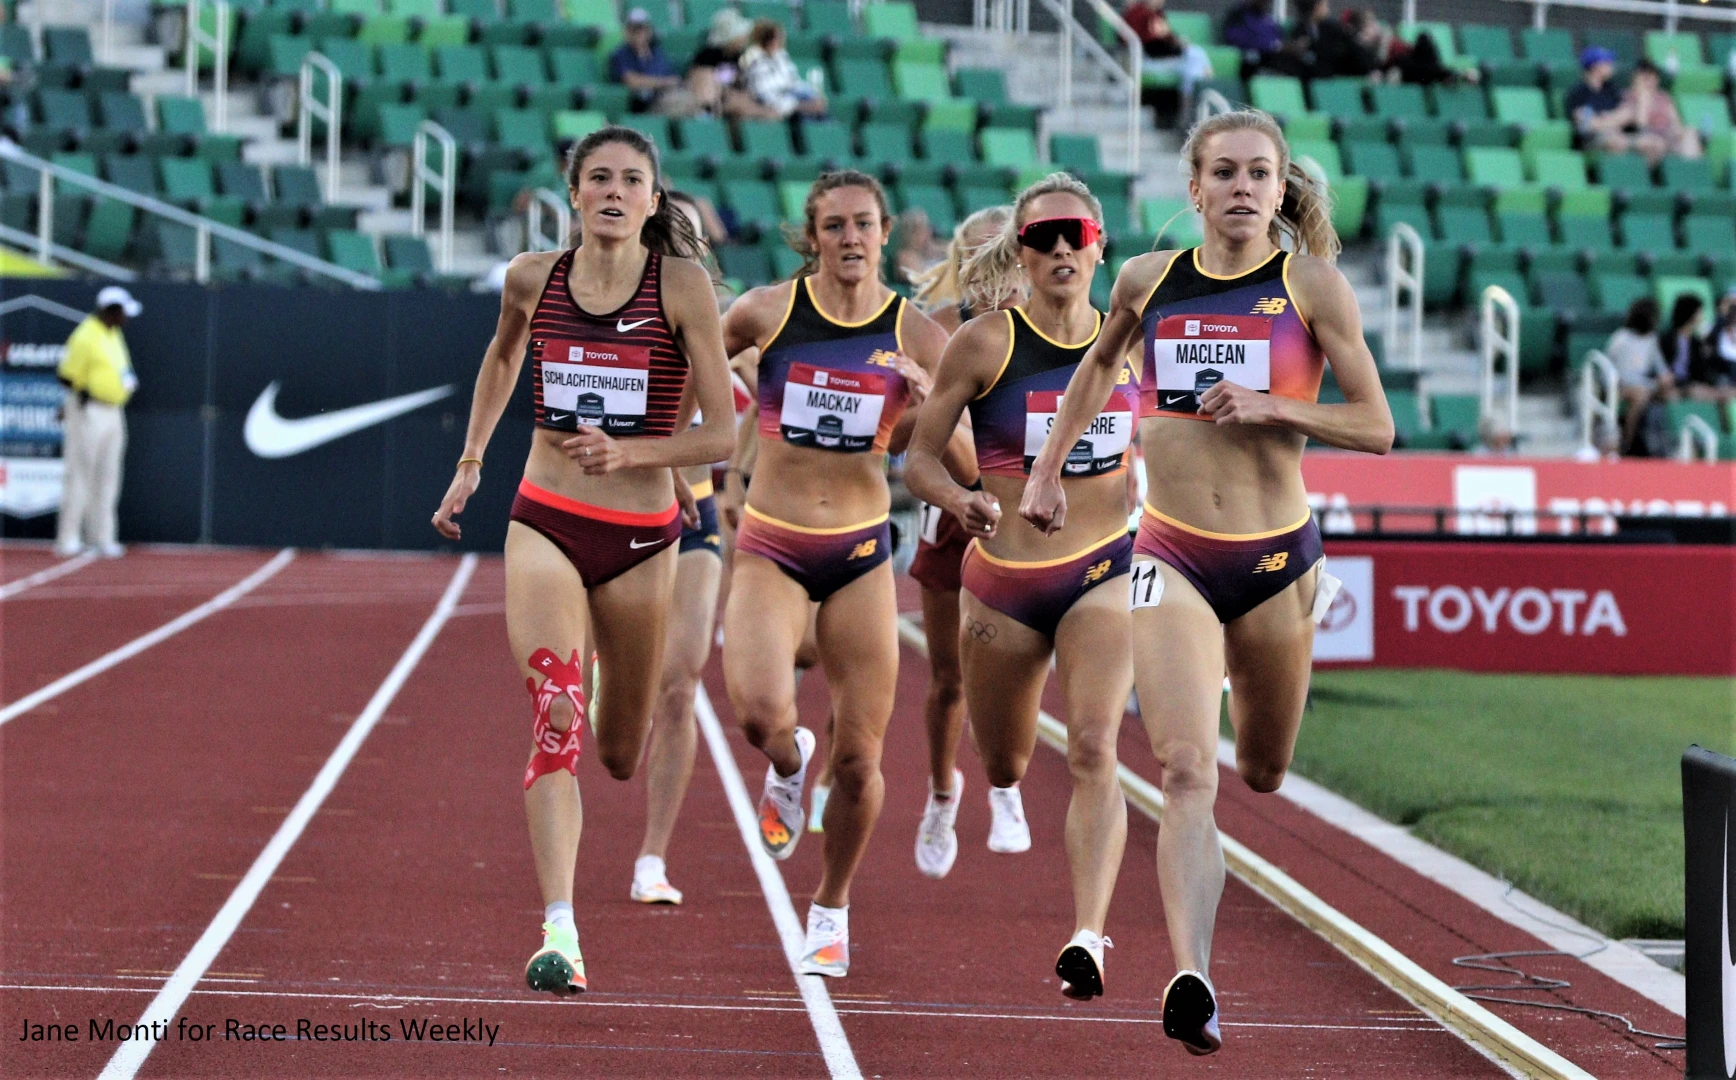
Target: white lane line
{"x":1623,"y":963}
{"x":398,"y":1001}
{"x":58,"y":570}
{"x":127,"y":1059}
{"x":834,"y":1044}
{"x":1482,"y":1030}
{"x":160,"y":634}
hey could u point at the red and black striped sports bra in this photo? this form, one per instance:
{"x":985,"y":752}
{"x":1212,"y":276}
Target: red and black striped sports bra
{"x":620,"y":372}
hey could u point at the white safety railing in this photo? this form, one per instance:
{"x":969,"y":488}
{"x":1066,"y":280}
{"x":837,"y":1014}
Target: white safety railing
{"x":1076,"y":39}
{"x":331,"y":111}
{"x":443,"y":180}
{"x":559,"y":210}
{"x":1006,"y":16}
{"x":204,"y":229}
{"x":1669,"y":12}
{"x":1500,"y":338}
{"x":108,"y":32}
{"x":1696,"y":433}
{"x":1404,"y":297}
{"x":200,"y":40}
{"x":1209,"y":104}
{"x":1599,"y":404}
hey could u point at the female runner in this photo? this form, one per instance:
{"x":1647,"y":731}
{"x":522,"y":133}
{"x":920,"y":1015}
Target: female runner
{"x":1224,"y":575}
{"x":941,"y":541}
{"x":1029,"y":595}
{"x":591,"y":541}
{"x":841,"y":358}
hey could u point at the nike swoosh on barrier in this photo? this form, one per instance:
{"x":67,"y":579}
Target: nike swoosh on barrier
{"x":272,"y":436}
{"x":623,"y":326}
{"x":1727,"y":967}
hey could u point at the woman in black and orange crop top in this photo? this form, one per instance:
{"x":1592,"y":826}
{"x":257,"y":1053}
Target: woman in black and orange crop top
{"x":1227,"y":571}
{"x":1030,"y":596}
{"x":615,"y":329}
{"x":842,"y":360}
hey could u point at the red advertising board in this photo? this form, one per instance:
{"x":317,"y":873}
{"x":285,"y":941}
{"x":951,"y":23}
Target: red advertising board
{"x":1598,"y":608}
{"x":1557,"y":490}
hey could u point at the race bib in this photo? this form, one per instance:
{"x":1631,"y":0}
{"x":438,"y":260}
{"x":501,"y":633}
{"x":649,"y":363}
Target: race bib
{"x":1193,"y":353}
{"x":600,"y":387}
{"x":1097,"y":452}
{"x":1145,"y":585}
{"x":928,"y":523}
{"x":831,"y":410}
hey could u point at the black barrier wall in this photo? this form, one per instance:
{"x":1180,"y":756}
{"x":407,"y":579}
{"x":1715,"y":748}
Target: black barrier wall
{"x":358,"y":403}
{"x":1708,"y":797}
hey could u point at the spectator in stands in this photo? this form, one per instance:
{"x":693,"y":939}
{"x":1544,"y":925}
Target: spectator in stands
{"x":639,"y":64}
{"x":1721,"y":364}
{"x":1649,"y":122}
{"x":1250,"y":27}
{"x":1595,"y":96}
{"x":1165,"y":50}
{"x":1687,"y":356}
{"x":772,"y":77}
{"x":714,"y":77}
{"x":1423,"y":65}
{"x":1376,"y":38}
{"x":1641,"y":376}
{"x":1325,"y":46}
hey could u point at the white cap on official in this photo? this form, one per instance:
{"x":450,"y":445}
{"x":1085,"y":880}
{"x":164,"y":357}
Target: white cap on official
{"x":115,"y":296}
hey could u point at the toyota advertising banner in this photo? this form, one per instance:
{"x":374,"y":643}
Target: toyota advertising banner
{"x":1596,"y":608}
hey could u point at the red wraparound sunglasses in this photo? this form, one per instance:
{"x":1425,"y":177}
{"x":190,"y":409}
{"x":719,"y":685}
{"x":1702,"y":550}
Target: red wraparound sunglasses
{"x":1079,"y":232}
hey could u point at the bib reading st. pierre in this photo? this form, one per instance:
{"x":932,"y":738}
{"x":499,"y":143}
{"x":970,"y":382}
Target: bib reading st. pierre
{"x":601,"y":387}
{"x":1193,"y":353}
{"x":831,"y":410}
{"x":1097,"y":452}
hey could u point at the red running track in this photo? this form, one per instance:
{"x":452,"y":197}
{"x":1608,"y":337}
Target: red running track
{"x":132,"y":809}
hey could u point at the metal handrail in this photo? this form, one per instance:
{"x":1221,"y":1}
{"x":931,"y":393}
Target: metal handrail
{"x":70,"y":256}
{"x":1599,"y":398}
{"x":1505,"y":342}
{"x":1135,"y":74}
{"x":204,"y":227}
{"x":1403,"y":280}
{"x":1670,"y":12}
{"x":108,"y":31}
{"x":1073,"y":35}
{"x":331,"y":111}
{"x":197,"y":39}
{"x":1696,"y":430}
{"x":534,"y":238}
{"x":1209,"y":104}
{"x":445,"y":181}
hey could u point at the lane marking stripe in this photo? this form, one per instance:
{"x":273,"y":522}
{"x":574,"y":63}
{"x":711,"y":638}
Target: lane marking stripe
{"x":393,"y":1001}
{"x":160,"y":634}
{"x":58,"y":570}
{"x":131,"y":1055}
{"x":1476,"y":1025}
{"x":834,"y":1044}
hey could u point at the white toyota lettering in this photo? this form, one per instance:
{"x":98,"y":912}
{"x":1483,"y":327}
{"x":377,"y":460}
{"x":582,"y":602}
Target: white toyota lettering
{"x":1528,"y":610}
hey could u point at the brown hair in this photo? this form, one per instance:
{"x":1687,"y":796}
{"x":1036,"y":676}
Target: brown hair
{"x":765,"y":33}
{"x":939,"y":285}
{"x":993,"y":274}
{"x":667,"y":231}
{"x":803,"y":240}
{"x":1306,"y":213}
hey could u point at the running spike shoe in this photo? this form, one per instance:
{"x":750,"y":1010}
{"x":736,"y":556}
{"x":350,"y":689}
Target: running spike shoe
{"x":780,"y":806}
{"x":655,"y":892}
{"x":1190,"y":1013}
{"x":1080,"y":965}
{"x":936,"y":839}
{"x":827,"y":951}
{"x":558,"y":966}
{"x":1008,"y":833}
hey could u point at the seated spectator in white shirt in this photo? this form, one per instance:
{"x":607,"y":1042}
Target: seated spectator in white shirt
{"x":1641,"y":373}
{"x":772,"y":77}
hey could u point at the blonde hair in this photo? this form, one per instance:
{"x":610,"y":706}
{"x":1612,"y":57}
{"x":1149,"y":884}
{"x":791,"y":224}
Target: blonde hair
{"x":992,"y":275}
{"x":938,"y":286}
{"x":802,"y":239}
{"x":1305,"y":216}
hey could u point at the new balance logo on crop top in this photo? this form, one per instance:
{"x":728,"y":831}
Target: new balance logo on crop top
{"x":619,"y":372}
{"x":1201,"y":330}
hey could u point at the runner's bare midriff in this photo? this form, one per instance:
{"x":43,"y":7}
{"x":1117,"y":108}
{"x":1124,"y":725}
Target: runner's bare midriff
{"x":647,"y":490}
{"x":1096,"y":508}
{"x":818,"y":489}
{"x":1223,"y":478}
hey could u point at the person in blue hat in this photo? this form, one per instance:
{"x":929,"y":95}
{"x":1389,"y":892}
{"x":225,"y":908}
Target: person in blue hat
{"x":1594,"y":101}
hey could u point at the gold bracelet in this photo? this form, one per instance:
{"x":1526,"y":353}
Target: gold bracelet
{"x":464,"y":460}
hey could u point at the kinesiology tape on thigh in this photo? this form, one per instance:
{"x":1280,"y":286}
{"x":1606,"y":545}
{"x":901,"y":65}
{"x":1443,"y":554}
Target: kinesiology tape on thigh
{"x":555,"y":749}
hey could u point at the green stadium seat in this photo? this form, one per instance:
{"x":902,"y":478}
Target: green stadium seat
{"x":519,"y":65}
{"x":934,"y":201}
{"x":1398,"y":101}
{"x":1467,"y":103}
{"x":749,"y":264}
{"x":867,"y":80}
{"x":1458,"y":417}
{"x":571,"y":125}
{"x":1564,"y":294}
{"x":1011,"y":148}
{"x":462,"y":64}
{"x":1487,"y":44}
{"x":597,"y":13}
{"x":573,"y":67}
{"x":406,"y":64}
{"x":1437,"y":164}
{"x":1666,"y":288}
{"x":1553,"y":46}
{"x":416,"y":9}
{"x":521,"y":129}
{"x":1075,"y":152}
{"x":385,"y":30}
{"x":135,"y":172}
{"x":1647,"y":232}
{"x":916,"y":81}
{"x":892,"y":19}
{"x":1706,"y":234}
{"x":536,"y":11}
{"x":1586,"y":233}
{"x":1523,"y":229}
{"x":1379,"y":161}
{"x":754,"y":203}
{"x":886,"y":144}
{"x":1324,"y":153}
{"x":1708,"y":114}
{"x":949,"y":147}
{"x":108,"y":230}
{"x":1339,"y":97}
{"x":830,"y":18}
{"x":987,"y":85}
{"x":1463,"y":225}
{"x":354,"y":251}
{"x":1624,"y":172}
{"x":1280,"y":95}
{"x":954,"y":114}
{"x":767,"y":140}
{"x":445,"y":30}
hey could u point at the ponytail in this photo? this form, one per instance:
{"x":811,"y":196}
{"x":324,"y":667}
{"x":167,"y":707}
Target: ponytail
{"x":1305,"y":217}
{"x":993,"y":274}
{"x":939,"y":286}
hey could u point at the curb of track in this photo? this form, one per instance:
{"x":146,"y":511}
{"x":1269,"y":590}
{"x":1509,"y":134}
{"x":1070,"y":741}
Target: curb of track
{"x":1404,"y":976}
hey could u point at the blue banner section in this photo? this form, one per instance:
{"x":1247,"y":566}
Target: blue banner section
{"x":268,"y":415}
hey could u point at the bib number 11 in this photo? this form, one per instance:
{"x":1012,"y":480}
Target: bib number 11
{"x":1146,"y":585}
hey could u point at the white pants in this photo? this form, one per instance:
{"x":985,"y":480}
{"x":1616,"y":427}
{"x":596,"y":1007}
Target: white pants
{"x":95,"y":444}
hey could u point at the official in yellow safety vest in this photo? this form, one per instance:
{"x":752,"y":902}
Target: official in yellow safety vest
{"x":98,"y":373}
